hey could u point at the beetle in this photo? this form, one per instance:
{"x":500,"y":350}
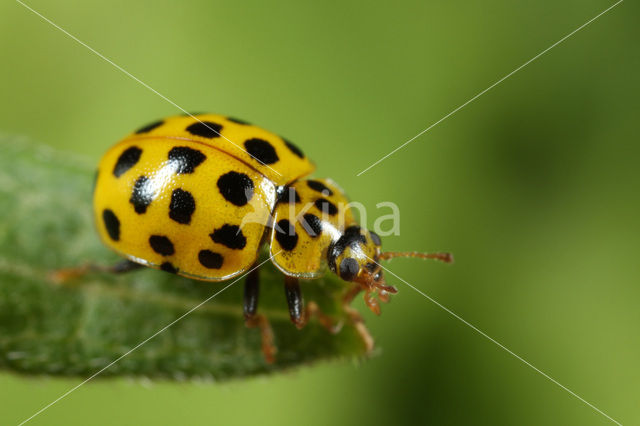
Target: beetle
{"x":199,"y":195}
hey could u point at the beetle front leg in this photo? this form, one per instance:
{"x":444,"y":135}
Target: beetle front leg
{"x":294,"y":301}
{"x":371,"y":301}
{"x":356,"y":318}
{"x":300,"y":314}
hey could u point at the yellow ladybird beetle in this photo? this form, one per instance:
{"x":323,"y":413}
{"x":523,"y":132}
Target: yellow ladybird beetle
{"x":198,"y":195}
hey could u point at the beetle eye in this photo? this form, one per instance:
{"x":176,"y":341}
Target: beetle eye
{"x":371,"y":266}
{"x":378,"y":276}
{"x":348,"y":268}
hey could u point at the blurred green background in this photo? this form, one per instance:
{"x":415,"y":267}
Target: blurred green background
{"x":534,"y":187}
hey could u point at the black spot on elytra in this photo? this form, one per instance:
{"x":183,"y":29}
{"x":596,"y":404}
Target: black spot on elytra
{"x":111,"y":223}
{"x":286,"y":235}
{"x":326,"y":206}
{"x":230,"y":236}
{"x":312,"y":225}
{"x":238,"y":121}
{"x":127,"y":160}
{"x":142,"y":194}
{"x":210,"y":259}
{"x":150,"y":127}
{"x":297,"y":151}
{"x":182,"y":206}
{"x":206,"y":129}
{"x":237,"y":188}
{"x":348,"y":268}
{"x":185,"y":159}
{"x":320,"y":187}
{"x":288,"y":194}
{"x":375,"y":238}
{"x":261,"y":150}
{"x":168,"y":267}
{"x":161,"y":245}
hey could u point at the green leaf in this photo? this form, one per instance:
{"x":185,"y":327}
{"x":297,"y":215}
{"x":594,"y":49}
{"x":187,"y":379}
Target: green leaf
{"x":47,"y":328}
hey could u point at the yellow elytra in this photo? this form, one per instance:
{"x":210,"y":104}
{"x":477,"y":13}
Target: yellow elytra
{"x":199,"y":195}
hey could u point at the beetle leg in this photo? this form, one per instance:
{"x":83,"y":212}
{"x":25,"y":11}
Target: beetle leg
{"x":371,"y":301}
{"x":251,"y":293}
{"x":64,"y":275}
{"x":356,"y":318}
{"x":121,"y":267}
{"x":300,"y":314}
{"x":312,"y":309}
{"x":253,"y":319}
{"x":384,"y":296}
{"x":294,"y":301}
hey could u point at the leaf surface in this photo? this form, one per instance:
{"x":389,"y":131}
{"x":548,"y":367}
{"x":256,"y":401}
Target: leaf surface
{"x":48,"y":328}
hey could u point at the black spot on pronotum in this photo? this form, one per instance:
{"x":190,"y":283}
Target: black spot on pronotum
{"x":261,"y":150}
{"x":375,"y":238}
{"x":353,"y":236}
{"x":287,"y":194}
{"x":206,"y":129}
{"x":111,"y":223}
{"x":230,"y":236}
{"x":210,"y":260}
{"x":319,"y":186}
{"x":286,"y":235}
{"x":142,"y":194}
{"x":348,"y":268}
{"x":350,"y":238}
{"x":185,"y":159}
{"x":326,"y":206}
{"x":161,"y":245}
{"x":312,"y":225}
{"x":238,"y":121}
{"x":150,"y":127}
{"x":168,"y":267}
{"x":182,"y":206}
{"x":293,"y":148}
{"x":237,"y":188}
{"x":127,"y":160}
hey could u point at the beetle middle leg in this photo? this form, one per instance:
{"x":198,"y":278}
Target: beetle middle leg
{"x":253,"y":319}
{"x":300,"y":314}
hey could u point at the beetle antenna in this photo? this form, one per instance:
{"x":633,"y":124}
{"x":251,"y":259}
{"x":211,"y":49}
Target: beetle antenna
{"x":443,"y":257}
